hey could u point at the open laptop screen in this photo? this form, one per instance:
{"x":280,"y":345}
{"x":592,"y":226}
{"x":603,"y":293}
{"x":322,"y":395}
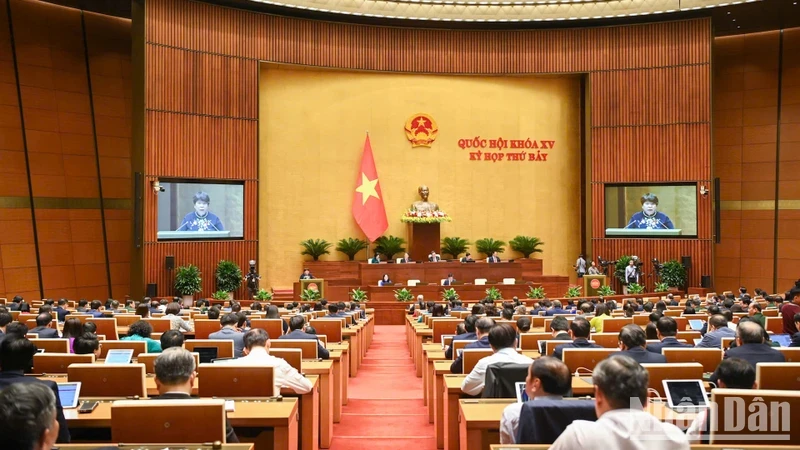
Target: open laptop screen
{"x":207,"y":354}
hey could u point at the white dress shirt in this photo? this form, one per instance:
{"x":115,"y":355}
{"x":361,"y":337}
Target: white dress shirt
{"x":509,"y":423}
{"x":284,"y":374}
{"x":695,"y":431}
{"x":622,"y":429}
{"x":474,"y":382}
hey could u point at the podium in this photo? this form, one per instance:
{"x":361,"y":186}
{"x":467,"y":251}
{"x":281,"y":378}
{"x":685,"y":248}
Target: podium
{"x":591,"y":283}
{"x":422,"y":238}
{"x":642,"y":232}
{"x":193,"y":234}
{"x":313,"y":283}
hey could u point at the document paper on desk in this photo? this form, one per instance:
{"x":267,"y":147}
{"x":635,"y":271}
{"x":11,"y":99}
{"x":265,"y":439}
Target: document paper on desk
{"x":229,"y":405}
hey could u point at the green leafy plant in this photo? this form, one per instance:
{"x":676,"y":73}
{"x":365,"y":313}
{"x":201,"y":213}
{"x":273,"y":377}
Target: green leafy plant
{"x":188,"y":280}
{"x":315,"y":248}
{"x":494,"y":294}
{"x":310,"y":295}
{"x":673,"y":274}
{"x":228,"y":275}
{"x":635,"y":288}
{"x":357,"y":295}
{"x":403,"y":295}
{"x":527,"y":245}
{"x":351,"y":247}
{"x":619,"y":269}
{"x":450,"y":294}
{"x":220,"y":295}
{"x":535,"y":292}
{"x":605,"y":291}
{"x":487,"y":246}
{"x":263,"y":295}
{"x":454,"y":246}
{"x":573,"y":291}
{"x":661,"y":287}
{"x":388,"y":246}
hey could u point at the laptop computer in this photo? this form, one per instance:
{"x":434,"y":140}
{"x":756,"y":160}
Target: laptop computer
{"x":522,"y":396}
{"x":207,"y":354}
{"x":686,"y":396}
{"x":69,"y":393}
{"x":119,"y":356}
{"x":697,"y":341}
{"x":696,"y":324}
{"x":784,"y":340}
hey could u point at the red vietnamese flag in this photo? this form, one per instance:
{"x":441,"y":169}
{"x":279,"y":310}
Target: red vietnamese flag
{"x":368,"y":208}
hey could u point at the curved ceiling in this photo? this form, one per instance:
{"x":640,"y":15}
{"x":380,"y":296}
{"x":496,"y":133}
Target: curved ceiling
{"x":499,"y":10}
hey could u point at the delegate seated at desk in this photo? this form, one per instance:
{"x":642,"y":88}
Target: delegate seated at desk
{"x":449,"y":281}
{"x":375,"y":259}
{"x":433,"y":257}
{"x":201,"y":219}
{"x":385,"y":281}
{"x":494,"y":258}
{"x":467,"y":258}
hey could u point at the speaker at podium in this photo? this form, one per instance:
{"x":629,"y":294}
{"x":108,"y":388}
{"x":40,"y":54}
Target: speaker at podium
{"x":591,"y":283}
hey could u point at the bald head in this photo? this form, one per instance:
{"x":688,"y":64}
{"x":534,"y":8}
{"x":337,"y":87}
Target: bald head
{"x":750,"y":333}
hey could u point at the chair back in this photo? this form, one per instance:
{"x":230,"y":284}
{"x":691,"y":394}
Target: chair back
{"x":774,"y":324}
{"x":126,"y":320}
{"x":472,"y":356}
{"x":769,"y":312}
{"x":682,"y":322}
{"x":676,"y":371}
{"x":641,"y":319}
{"x":293,"y":356}
{"x":459,"y":345}
{"x":530,"y":341}
{"x":106,"y":326}
{"x":784,"y":376}
{"x":614,"y":325}
{"x":444,"y":326}
{"x":109,"y":380}
{"x":52,"y":345}
{"x":168,"y":421}
{"x":149,"y":360}
{"x":307,"y":347}
{"x":690,"y":336}
{"x":543,"y":421}
{"x":501,"y":377}
{"x":585,"y":358}
{"x":549,"y":320}
{"x":606,"y":340}
{"x":792,"y":354}
{"x":58,"y":362}
{"x":726,"y":342}
{"x":137,"y":347}
{"x":709,"y":358}
{"x":538,"y":321}
{"x":328,"y":327}
{"x":204,"y":327}
{"x":769,"y":408}
{"x":224,"y":347}
{"x":273,"y":327}
{"x":159,"y":324}
{"x":232,"y":380}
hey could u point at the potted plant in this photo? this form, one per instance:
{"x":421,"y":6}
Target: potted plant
{"x":605,"y":291}
{"x":403,"y":295}
{"x":315,"y":248}
{"x":388,"y":246}
{"x":535,"y":292}
{"x":573,"y":291}
{"x":450,"y":294}
{"x":220,"y":295}
{"x":487,"y":246}
{"x":454,"y":246}
{"x":188,"y":281}
{"x":635,"y":288}
{"x":229,"y":277}
{"x":351,"y":247}
{"x":357,"y":295}
{"x":619,"y":269}
{"x":673,"y":274}
{"x":494,"y":294}
{"x":527,"y":245}
{"x":263,"y":295}
{"x":661,"y":287}
{"x":310,"y":295}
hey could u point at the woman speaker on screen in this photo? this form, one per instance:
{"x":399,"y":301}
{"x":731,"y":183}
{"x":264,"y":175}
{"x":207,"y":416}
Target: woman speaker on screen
{"x":201,"y":219}
{"x":648,"y":218}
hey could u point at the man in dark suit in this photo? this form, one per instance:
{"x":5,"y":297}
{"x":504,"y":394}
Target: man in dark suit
{"x":469,"y":327}
{"x":61,"y":310}
{"x":15,"y":302}
{"x":494,"y":258}
{"x":482,"y":327}
{"x":559,"y":328}
{"x":717,"y":329}
{"x":458,"y":306}
{"x":406,"y":259}
{"x":433,"y":257}
{"x":28,"y":417}
{"x":44,"y":327}
{"x":579,"y":330}
{"x":16,"y":356}
{"x":671,"y":300}
{"x":5,"y":319}
{"x":556,"y":309}
{"x":466,"y":258}
{"x":449,"y":280}
{"x":667,"y":330}
{"x":175,"y":374}
{"x":632,"y":341}
{"x":96,"y":309}
{"x":296,"y":325}
{"x":750,"y":345}
{"x":230,"y":333}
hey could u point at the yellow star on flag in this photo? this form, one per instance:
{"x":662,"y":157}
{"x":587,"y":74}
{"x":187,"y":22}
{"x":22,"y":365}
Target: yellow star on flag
{"x":367,"y":188}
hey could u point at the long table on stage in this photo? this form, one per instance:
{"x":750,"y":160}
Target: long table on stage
{"x":434,"y":272}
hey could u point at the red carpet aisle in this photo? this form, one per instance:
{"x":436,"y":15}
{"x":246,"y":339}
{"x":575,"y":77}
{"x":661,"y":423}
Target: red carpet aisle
{"x":385,"y":409}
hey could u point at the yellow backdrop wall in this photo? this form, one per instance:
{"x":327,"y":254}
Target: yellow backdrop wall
{"x":312,"y":126}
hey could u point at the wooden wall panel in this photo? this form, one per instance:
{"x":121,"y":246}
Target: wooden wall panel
{"x":650,"y":90}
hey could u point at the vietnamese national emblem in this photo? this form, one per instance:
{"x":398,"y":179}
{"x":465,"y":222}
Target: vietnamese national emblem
{"x":421,"y":130}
